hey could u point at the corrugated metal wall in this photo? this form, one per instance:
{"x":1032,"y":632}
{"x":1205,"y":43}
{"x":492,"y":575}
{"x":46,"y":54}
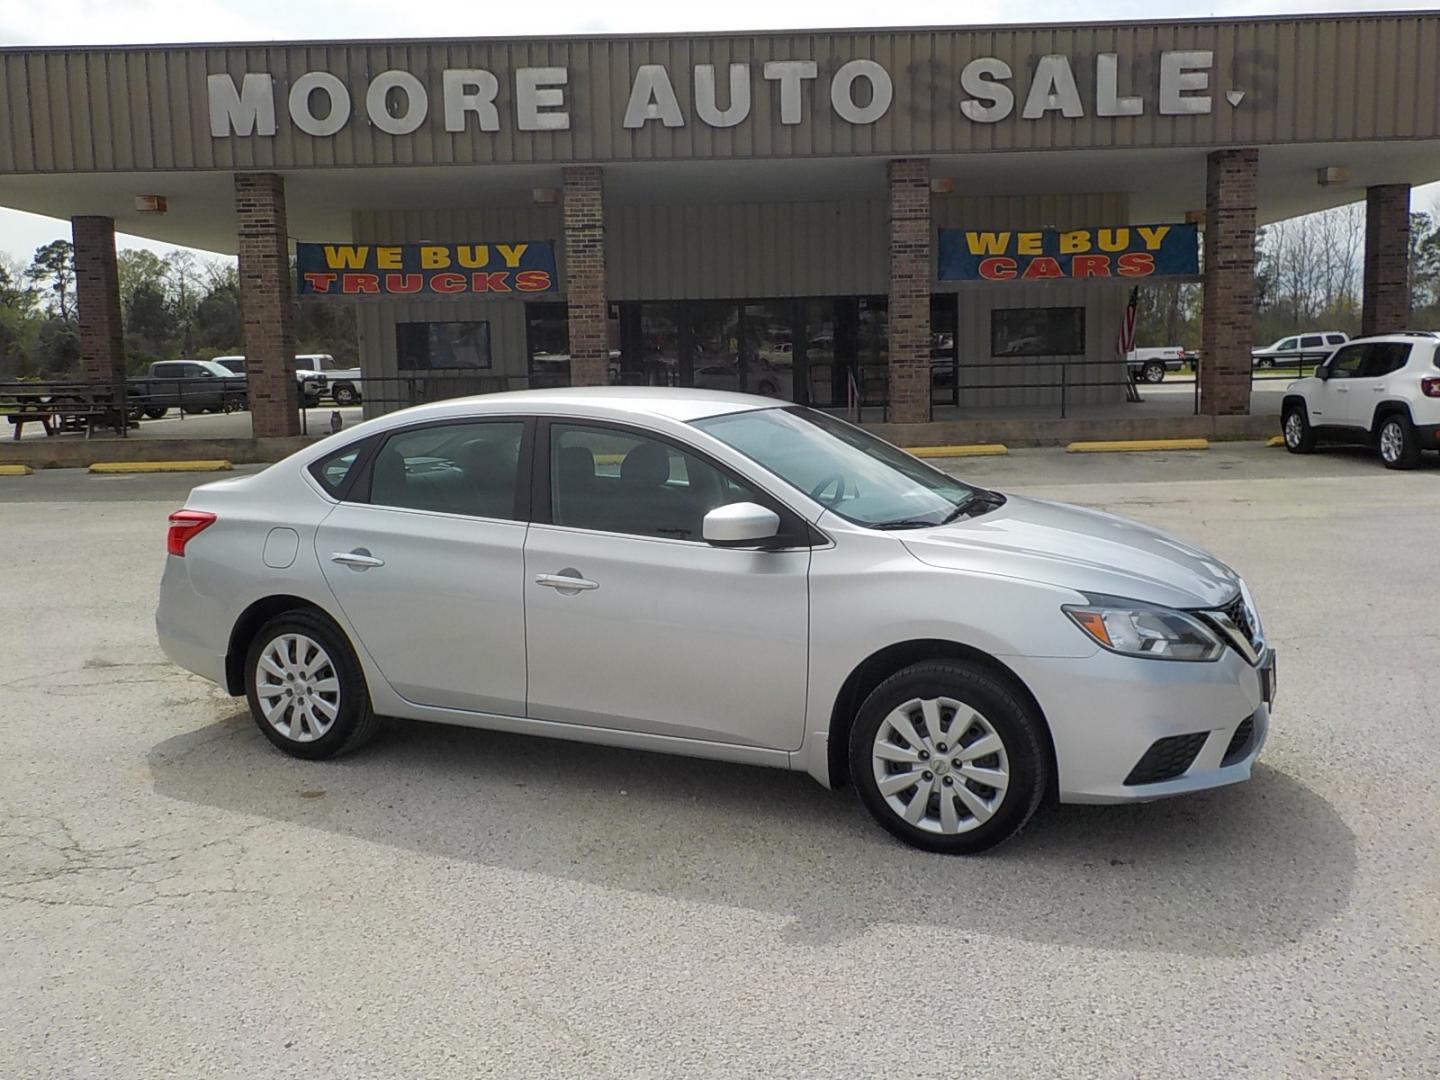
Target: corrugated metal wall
{"x":1103,"y":303}
{"x":1305,"y":79}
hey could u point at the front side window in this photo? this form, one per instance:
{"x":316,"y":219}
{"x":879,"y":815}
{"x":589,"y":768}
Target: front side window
{"x":621,"y":481}
{"x":461,"y":468}
{"x":1286,"y":345}
{"x":1347,"y":362}
{"x":863,"y":479}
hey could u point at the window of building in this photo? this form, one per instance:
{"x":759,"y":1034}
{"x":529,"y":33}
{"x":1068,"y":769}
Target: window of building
{"x":436,"y":346}
{"x":1054,"y":331}
{"x":465,"y":468}
{"x":547,"y":341}
{"x":624,"y":482}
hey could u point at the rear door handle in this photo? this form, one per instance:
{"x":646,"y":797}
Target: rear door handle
{"x":359,"y":559}
{"x":1342,"y":389}
{"x":1378,"y":389}
{"x":566,"y":582}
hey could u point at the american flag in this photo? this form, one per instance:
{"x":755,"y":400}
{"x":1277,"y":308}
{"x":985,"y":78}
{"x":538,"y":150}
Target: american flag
{"x":1126,"y":345}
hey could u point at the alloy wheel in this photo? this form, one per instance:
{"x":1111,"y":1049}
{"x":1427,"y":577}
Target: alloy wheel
{"x":940,"y":765}
{"x":298,"y":687}
{"x":1392,"y":441}
{"x":1294,"y":430}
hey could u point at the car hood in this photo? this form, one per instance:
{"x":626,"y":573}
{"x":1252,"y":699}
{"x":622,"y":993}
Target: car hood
{"x":1085,"y":550}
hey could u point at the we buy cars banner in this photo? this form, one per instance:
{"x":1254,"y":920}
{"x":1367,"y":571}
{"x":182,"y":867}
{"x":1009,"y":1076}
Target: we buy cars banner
{"x":1123,"y":251}
{"x":483,"y":270}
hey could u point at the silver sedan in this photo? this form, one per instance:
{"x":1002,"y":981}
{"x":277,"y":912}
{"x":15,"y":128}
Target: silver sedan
{"x":726,"y":577}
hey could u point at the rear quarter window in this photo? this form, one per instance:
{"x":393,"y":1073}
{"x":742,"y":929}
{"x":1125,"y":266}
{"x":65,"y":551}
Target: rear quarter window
{"x":336,"y":472}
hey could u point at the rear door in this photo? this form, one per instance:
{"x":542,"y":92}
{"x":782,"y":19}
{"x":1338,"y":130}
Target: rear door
{"x":1371,"y":386}
{"x":426,"y":560}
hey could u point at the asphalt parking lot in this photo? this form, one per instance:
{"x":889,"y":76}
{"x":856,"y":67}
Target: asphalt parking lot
{"x":179,"y":899}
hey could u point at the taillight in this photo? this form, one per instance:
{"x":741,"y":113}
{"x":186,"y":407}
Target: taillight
{"x":185,"y":525}
{"x":1430,"y":385}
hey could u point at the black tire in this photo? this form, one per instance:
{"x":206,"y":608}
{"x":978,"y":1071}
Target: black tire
{"x":1153,"y":372}
{"x":346,"y":395}
{"x":155,"y":412}
{"x":1295,"y":429}
{"x":355,"y":722}
{"x":1395,"y":442}
{"x":998,"y":706}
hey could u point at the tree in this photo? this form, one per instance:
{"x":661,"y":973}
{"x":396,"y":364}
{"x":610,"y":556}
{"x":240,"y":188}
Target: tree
{"x":18,"y":324}
{"x":1425,"y":268}
{"x":53,"y":270}
{"x":217,"y":312}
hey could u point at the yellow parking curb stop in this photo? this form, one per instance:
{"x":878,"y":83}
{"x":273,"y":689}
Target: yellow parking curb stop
{"x":967,"y":450}
{"x":160,"y":466}
{"x":15,"y":470}
{"x":1121,"y":446}
{"x":1275,"y":440}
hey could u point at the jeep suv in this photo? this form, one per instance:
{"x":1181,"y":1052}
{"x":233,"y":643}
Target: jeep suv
{"x":1382,"y":390}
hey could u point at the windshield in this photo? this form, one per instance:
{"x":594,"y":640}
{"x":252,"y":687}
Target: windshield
{"x":856,"y":475}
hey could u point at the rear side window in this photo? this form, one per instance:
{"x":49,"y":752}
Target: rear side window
{"x":463,"y":468}
{"x":167,"y":371}
{"x":1310,"y":341}
{"x":1335,"y":339}
{"x":1385,"y":357}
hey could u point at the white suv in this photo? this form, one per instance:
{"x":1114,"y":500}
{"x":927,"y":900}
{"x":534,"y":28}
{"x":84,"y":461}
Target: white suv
{"x":1312,"y":348}
{"x":1382,"y":390}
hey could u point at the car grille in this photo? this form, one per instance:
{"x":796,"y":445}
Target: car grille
{"x":1239,"y":613}
{"x":1239,"y":742}
{"x":1167,"y":758}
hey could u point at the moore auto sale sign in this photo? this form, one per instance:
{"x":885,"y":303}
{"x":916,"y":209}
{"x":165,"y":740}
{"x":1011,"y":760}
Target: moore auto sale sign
{"x":859,"y":91}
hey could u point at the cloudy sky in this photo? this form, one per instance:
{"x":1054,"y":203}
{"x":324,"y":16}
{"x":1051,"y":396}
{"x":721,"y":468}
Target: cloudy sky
{"x":112,"y":22}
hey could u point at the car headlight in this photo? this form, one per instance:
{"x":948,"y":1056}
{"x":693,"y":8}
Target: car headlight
{"x":1145,"y":630}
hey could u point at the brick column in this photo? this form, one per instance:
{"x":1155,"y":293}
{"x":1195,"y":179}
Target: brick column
{"x":909,"y":321}
{"x":97,"y":296}
{"x":267,"y":305}
{"x":585,"y":275}
{"x":1387,"y":259}
{"x":1227,"y":322}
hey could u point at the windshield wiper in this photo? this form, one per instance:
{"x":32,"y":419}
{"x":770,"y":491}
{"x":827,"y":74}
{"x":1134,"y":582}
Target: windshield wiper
{"x":981,"y":502}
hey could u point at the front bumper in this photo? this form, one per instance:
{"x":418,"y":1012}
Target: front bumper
{"x":1106,"y":711}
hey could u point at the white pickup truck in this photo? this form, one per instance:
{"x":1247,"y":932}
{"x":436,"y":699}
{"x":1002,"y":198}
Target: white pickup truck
{"x":1150,"y":365}
{"x":344,"y":382}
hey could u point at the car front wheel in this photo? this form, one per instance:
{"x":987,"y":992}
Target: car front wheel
{"x":1396,"y":443}
{"x":305,"y":687}
{"x":948,"y":758}
{"x":1299,"y":436}
{"x":346,"y":395}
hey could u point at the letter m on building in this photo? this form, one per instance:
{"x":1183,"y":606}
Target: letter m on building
{"x":244,"y":111}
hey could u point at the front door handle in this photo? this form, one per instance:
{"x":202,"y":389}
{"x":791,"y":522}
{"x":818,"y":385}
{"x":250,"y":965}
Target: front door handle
{"x":1342,"y":389}
{"x":567,"y":581}
{"x":1378,"y":389}
{"x":359,"y":559}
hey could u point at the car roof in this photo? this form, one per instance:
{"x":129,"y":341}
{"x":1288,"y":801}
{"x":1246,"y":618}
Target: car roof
{"x":602,"y":402}
{"x":1406,"y":336}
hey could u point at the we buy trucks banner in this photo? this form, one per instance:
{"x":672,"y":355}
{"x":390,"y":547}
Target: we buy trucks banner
{"x":1124,"y":251}
{"x":474,"y":271}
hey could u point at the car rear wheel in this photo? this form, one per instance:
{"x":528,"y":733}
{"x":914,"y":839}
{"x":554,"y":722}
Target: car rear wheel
{"x":1396,"y":443}
{"x":1153,"y":372}
{"x":1299,"y":436}
{"x":305,"y":687}
{"x":156,"y":412}
{"x":947,"y":758}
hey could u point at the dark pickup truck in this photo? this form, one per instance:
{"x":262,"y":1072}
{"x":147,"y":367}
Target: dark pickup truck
{"x":192,"y":386}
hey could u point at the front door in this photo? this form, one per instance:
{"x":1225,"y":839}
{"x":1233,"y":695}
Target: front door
{"x":660,"y":632}
{"x":1331,"y":405}
{"x":427,"y":563}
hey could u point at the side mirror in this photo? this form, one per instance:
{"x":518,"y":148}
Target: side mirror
{"x":740,"y":525}
{"x":1322,"y":372}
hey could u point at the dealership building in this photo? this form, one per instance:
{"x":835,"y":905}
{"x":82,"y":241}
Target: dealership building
{"x":916,"y":219}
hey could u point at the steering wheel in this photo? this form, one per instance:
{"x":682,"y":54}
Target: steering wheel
{"x":834,"y":480}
